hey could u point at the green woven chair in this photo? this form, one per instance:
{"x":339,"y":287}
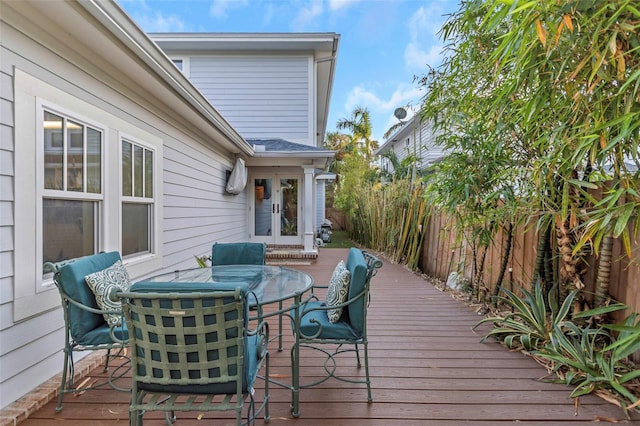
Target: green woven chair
{"x":86,"y":328}
{"x":191,"y":350}
{"x":315,"y":330}
{"x":238,"y":254}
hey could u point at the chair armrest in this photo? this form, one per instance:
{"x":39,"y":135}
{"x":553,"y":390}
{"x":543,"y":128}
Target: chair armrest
{"x":261,"y":330}
{"x":314,"y":296}
{"x":328,"y":308}
{"x":87,"y":308}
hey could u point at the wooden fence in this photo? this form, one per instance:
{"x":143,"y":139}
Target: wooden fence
{"x":441,"y":255}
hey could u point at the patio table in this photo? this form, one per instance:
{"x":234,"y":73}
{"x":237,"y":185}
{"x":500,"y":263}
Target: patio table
{"x":271,"y":284}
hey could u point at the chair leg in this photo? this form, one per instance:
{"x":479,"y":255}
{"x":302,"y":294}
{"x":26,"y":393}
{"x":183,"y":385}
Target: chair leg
{"x":106,"y":361}
{"x":63,"y":383}
{"x":135,"y":415}
{"x":366,"y":371}
{"x":280,"y":327}
{"x":267,"y":416}
{"x":358,"y":355}
{"x":295,"y":381}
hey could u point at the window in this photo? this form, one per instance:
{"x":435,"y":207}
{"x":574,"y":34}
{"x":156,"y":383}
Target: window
{"x":72,"y":187}
{"x":177,"y":63}
{"x":182,"y":63}
{"x":71,"y":205}
{"x":137,"y":198}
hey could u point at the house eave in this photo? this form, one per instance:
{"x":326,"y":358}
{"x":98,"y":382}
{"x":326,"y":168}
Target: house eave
{"x":114,"y":18}
{"x":323,"y":47}
{"x":139,"y":69}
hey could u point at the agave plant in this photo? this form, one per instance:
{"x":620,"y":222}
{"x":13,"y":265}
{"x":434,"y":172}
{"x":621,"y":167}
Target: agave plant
{"x":586,"y":359}
{"x":529,"y":323}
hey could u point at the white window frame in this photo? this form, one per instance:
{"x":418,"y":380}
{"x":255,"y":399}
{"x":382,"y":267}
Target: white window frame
{"x":185,"y":64}
{"x":42,"y":193}
{"x":153,"y":228}
{"x":33,"y":293}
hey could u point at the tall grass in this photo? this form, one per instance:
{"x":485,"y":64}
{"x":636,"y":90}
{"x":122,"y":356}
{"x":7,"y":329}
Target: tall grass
{"x":391,"y":219}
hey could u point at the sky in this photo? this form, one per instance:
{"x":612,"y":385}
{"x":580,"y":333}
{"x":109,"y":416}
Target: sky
{"x":384,"y":44}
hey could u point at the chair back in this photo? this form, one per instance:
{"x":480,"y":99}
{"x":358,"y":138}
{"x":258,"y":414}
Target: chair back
{"x":69,"y":278}
{"x":238,"y":254}
{"x":359,"y":283}
{"x":189,"y":338}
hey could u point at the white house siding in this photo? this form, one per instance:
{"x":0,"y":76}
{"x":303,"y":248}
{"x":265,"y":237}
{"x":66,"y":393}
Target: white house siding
{"x":194,"y":212}
{"x":425,"y":147}
{"x":262,"y":97}
{"x":197,"y":211}
{"x":26,"y":353}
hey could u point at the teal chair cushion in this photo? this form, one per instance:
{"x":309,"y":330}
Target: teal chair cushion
{"x":102,"y":335}
{"x":86,"y":327}
{"x":251,"y":347}
{"x":313,"y":321}
{"x":357,"y":266}
{"x":238,"y":254}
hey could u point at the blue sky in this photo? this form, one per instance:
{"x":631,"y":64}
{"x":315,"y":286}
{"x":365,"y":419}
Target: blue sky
{"x":383,"y":43}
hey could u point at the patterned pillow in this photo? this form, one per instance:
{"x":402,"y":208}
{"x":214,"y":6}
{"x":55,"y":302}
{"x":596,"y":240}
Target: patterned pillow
{"x":338,"y":290}
{"x":102,"y":283}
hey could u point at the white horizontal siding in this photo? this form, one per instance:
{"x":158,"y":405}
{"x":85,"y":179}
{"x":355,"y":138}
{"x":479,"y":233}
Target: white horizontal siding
{"x":195,"y":212}
{"x":7,"y":170}
{"x":425,"y":147}
{"x":262,"y":97}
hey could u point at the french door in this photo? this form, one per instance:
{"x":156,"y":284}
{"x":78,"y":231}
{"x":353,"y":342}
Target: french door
{"x":276,"y":209}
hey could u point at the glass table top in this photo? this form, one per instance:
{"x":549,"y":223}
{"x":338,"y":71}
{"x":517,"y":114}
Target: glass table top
{"x":269,"y":283}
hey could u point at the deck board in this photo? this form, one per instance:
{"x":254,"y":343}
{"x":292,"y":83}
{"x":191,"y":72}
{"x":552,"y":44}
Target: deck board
{"x":428,"y":367}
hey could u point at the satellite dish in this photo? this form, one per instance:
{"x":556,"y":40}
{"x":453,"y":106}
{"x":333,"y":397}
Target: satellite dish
{"x":400,"y":113}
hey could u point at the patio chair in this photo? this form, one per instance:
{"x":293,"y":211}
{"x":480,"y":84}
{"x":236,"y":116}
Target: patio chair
{"x":238,"y":254}
{"x":340,"y":323}
{"x":191,"y":349}
{"x":90,"y":323}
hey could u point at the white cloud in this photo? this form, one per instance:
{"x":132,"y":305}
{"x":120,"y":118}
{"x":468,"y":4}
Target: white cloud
{"x":305,"y":18}
{"x":402,"y":95}
{"x":381,"y":109}
{"x":415,"y":57}
{"x":340,"y":4}
{"x":219,"y":8}
{"x":423,"y":47}
{"x":158,"y":23}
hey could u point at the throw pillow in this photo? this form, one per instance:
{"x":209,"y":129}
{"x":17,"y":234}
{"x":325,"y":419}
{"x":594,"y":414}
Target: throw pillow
{"x":338,"y":291}
{"x":102,"y":283}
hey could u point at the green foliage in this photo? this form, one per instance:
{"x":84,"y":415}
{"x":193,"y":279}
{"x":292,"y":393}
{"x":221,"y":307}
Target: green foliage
{"x":359,"y":124}
{"x":540,"y":99}
{"x":390,"y":219}
{"x":584,"y":358}
{"x":528,"y":324}
{"x":590,"y":359}
{"x":202,"y":261}
{"x":628,"y":341}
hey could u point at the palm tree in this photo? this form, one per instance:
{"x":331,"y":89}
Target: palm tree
{"x":342,"y":145}
{"x":360,"y":127}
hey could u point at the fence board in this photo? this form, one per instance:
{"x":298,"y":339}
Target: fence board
{"x":441,"y":256}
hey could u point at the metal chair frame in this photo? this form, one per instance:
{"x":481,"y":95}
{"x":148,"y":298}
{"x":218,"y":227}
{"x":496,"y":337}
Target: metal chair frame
{"x":342,"y":345}
{"x":71,"y":345}
{"x":189,"y":350}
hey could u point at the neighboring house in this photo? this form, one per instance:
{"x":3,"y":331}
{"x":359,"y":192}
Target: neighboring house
{"x":278,"y":101}
{"x":106,"y":145}
{"x":412,"y":138}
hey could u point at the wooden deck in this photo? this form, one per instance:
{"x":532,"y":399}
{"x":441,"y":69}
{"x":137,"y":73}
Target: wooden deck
{"x":428,"y":368}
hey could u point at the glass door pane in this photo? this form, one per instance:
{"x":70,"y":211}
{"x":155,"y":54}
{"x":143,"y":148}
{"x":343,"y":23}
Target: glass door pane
{"x":263,"y":207}
{"x":288,"y":207}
